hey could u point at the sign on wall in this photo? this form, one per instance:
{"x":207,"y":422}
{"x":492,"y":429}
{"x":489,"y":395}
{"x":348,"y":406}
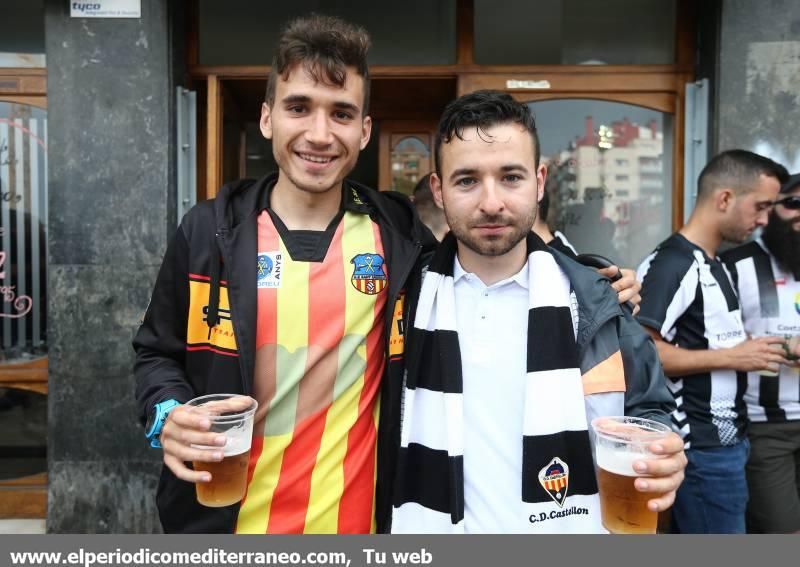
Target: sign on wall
{"x":106,"y":9}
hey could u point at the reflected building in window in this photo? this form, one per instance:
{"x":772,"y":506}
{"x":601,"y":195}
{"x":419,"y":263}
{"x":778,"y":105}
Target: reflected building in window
{"x":610,"y":188}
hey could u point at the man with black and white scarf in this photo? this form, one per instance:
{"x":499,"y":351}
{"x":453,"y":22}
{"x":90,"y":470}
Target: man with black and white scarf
{"x":512,"y":349}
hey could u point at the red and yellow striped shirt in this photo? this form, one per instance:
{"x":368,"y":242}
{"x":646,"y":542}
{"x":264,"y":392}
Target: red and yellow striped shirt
{"x":319,"y":362}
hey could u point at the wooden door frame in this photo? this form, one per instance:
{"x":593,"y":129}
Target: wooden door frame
{"x":648,"y":86}
{"x":660,"y":87}
{"x":389,"y":128}
{"x":19,"y":82}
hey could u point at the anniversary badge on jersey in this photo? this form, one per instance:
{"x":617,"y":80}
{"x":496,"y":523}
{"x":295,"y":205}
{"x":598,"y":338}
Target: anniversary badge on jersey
{"x":554,"y":478}
{"x":270,"y":265}
{"x":368,"y":275}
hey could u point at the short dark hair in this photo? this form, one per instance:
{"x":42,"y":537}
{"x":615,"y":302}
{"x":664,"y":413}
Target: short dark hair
{"x":326,"y":46}
{"x":738,"y":170}
{"x":482,"y":110}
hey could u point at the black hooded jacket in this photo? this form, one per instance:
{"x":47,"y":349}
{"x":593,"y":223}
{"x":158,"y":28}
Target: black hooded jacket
{"x":217,"y":243}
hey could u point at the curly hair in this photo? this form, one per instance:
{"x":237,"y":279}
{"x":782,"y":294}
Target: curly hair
{"x":326,"y":46}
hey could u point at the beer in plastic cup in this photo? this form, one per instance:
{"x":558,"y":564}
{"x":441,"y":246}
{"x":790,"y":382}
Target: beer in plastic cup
{"x":619,"y":442}
{"x":231,"y":415}
{"x":780,"y":348}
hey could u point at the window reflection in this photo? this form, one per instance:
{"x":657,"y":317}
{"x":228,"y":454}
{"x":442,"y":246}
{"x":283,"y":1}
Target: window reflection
{"x":609,"y":176}
{"x":575,"y":32}
{"x":413,"y":32}
{"x":23,"y":214}
{"x":411,"y":160}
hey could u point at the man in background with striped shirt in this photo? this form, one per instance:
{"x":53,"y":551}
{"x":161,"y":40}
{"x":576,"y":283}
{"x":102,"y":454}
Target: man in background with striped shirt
{"x":692,"y":312}
{"x":766,"y":273}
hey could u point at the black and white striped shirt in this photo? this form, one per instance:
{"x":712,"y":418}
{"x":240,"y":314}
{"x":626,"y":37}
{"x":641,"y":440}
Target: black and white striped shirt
{"x":770,"y":299}
{"x":688,"y":298}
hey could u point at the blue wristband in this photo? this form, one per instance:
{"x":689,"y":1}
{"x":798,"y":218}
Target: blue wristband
{"x":155,"y":422}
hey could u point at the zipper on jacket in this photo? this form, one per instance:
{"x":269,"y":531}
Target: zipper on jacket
{"x":223,"y":248}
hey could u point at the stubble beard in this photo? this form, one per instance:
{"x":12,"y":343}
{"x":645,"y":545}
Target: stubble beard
{"x":735,"y":234}
{"x":491,"y":247}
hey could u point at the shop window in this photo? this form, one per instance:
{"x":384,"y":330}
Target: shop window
{"x":23,"y":317}
{"x":575,"y":32}
{"x":593,"y":150}
{"x":23,"y":232}
{"x":412,"y":32}
{"x":22,"y":36}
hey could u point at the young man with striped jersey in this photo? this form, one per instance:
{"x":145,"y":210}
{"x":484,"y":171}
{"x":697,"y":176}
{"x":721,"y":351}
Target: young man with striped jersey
{"x":692,"y":312}
{"x":289,"y":289}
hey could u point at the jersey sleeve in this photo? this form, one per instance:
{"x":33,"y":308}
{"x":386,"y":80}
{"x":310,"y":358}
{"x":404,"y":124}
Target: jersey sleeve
{"x":669,"y":286}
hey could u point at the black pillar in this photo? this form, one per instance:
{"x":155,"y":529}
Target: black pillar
{"x":111,"y":185}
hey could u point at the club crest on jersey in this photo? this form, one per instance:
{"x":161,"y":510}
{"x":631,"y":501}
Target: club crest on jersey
{"x":797,"y":303}
{"x":268,"y":271}
{"x":368,"y":275}
{"x":554,"y":478}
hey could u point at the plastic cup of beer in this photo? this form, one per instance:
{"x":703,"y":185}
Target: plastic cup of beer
{"x":620,"y":442}
{"x":782,"y":349}
{"x":231,"y":415}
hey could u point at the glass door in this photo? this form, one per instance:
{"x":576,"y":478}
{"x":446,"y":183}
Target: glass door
{"x":609,"y":175}
{"x":613,"y":140}
{"x":23,"y":301}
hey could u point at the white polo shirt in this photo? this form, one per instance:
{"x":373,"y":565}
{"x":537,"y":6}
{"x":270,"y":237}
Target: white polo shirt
{"x":492,"y":325}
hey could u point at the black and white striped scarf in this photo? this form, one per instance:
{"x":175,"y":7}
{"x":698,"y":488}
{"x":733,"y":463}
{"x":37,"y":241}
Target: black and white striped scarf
{"x":559,"y":488}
